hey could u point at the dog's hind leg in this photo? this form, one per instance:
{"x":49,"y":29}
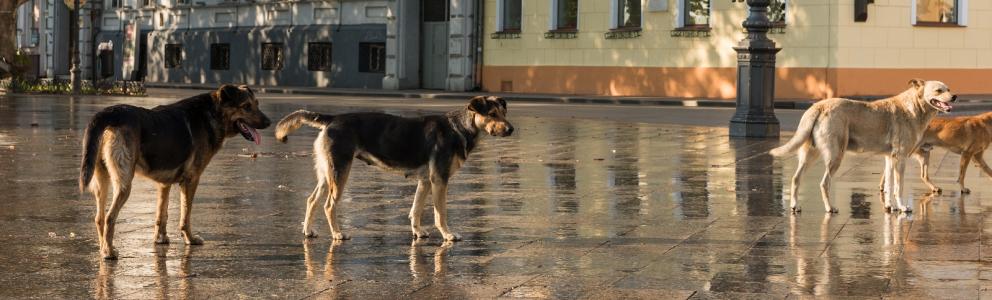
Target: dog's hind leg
{"x":120,"y":162}
{"x":99,"y":189}
{"x":423,"y":190}
{"x":806,"y":155}
{"x":312,"y":206}
{"x":336,"y":182}
{"x":162,"y":214}
{"x":187,"y":192}
{"x":980,"y":159}
{"x":832,"y":163}
{"x":962,"y":169}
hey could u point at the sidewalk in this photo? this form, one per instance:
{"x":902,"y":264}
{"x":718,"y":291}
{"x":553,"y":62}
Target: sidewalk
{"x":967,"y":102}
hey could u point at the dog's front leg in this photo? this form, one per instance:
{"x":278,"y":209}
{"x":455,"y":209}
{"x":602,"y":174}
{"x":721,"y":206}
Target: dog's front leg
{"x":419,"y":200}
{"x":162,"y":214}
{"x":923,"y":157}
{"x":899,"y":166}
{"x":887,"y":190}
{"x":188,"y":190}
{"x":439,"y":191}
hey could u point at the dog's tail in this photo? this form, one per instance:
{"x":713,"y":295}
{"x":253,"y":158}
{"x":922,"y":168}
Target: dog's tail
{"x":91,"y":148}
{"x":293,"y":121}
{"x":803,"y":133}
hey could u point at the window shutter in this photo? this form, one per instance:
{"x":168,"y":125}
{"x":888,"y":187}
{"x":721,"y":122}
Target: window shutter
{"x":912,"y":15}
{"x":680,"y":13}
{"x":499,"y":15}
{"x":553,"y":20}
{"x":614,"y":12}
{"x":963,"y":12}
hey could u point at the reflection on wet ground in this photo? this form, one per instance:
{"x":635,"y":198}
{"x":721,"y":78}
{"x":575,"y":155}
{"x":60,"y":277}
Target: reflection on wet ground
{"x":566,"y":208}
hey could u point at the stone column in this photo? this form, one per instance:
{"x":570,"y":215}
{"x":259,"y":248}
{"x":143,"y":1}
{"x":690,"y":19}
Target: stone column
{"x":402,"y":45}
{"x":755,"y":115}
{"x":461,"y":45}
{"x":74,"y":44}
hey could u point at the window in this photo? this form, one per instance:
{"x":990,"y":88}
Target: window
{"x":319,"y":56}
{"x":509,"y":11}
{"x":272,"y":56}
{"x":220,"y":56}
{"x":114,"y":3}
{"x":182,"y":2}
{"x":776,"y":12}
{"x":937,"y":12}
{"x":147,"y":2}
{"x":173,"y":55}
{"x":372,"y":57}
{"x":435,"y":10}
{"x":566,"y":15}
{"x":696,"y":14}
{"x":628,"y":14}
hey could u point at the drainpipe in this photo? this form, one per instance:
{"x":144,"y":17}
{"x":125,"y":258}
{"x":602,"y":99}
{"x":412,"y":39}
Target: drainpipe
{"x":95,"y":28}
{"x":480,"y":22}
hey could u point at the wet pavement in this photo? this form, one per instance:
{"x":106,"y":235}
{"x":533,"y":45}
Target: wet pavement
{"x":587,"y":202}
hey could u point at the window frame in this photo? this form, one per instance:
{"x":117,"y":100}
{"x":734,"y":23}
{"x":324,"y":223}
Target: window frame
{"x":683,"y":16}
{"x":553,"y":22}
{"x":169,"y":62}
{"x":615,"y":17}
{"x":501,"y":17}
{"x":324,"y":64}
{"x":961,"y":11}
{"x":366,"y":47}
{"x":785,"y":14}
{"x":280,"y":56}
{"x":215,"y":65}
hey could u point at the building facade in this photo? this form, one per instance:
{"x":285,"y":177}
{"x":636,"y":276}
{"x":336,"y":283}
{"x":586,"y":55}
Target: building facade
{"x":392,"y":44}
{"x":684,"y":48}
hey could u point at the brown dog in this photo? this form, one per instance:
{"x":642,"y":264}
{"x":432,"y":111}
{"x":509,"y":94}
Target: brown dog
{"x":968,"y":136}
{"x":169,"y":144}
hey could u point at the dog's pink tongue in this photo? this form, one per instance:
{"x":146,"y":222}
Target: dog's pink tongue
{"x":255,"y":136}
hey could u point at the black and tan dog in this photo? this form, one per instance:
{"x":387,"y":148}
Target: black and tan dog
{"x":429,"y":149}
{"x":169,"y":144}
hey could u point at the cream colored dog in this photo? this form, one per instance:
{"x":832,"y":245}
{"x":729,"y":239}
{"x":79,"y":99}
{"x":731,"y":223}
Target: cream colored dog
{"x":892,"y":127}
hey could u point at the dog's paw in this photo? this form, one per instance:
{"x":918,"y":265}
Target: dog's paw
{"x":420,"y":233}
{"x":194,"y":240}
{"x":162,"y":239}
{"x":965,"y":191}
{"x":309,"y":234}
{"x":452,"y":237}
{"x":832,"y":210}
{"x":906,"y":209}
{"x":340,"y":236}
{"x":109,"y":255}
{"x":796,"y":209}
{"x":936,"y":190}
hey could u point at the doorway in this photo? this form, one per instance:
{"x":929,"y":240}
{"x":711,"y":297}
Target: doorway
{"x":434,"y":44}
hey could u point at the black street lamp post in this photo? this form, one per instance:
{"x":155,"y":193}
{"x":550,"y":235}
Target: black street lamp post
{"x":755,"y":116}
{"x":74,"y":79}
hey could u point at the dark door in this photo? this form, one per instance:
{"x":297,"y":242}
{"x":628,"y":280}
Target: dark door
{"x":434,"y":44}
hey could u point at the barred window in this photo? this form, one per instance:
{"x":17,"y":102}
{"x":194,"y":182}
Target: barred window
{"x":372,"y":57}
{"x":173,"y":55}
{"x":220,"y":56}
{"x":319,"y":56}
{"x":511,"y":15}
{"x":272,"y":56}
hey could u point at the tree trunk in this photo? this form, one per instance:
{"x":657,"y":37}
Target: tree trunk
{"x":8,"y":31}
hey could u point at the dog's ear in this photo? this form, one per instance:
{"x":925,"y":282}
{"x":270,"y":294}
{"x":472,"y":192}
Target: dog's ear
{"x":479,"y":105}
{"x":228,"y":94}
{"x":917,"y":83}
{"x":501,"y":102}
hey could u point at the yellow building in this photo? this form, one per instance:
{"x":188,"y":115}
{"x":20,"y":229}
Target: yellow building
{"x":683,"y":48}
